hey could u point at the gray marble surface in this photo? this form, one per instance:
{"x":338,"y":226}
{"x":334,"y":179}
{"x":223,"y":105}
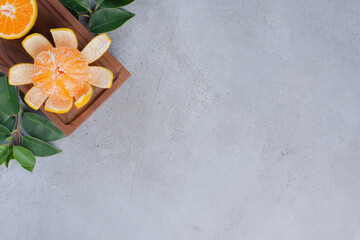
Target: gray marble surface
{"x":240,"y":122}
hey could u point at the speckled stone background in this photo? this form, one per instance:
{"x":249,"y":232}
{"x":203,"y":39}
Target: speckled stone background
{"x":241,"y":121}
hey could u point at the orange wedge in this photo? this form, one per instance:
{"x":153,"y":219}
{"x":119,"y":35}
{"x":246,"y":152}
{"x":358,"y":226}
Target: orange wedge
{"x":36,"y":43}
{"x":96,"y":48}
{"x":17,"y":17}
{"x":100,"y":77}
{"x":21,"y":74}
{"x":64,"y":37}
{"x":35,"y":98}
{"x":83,"y":97}
{"x":58,"y":105}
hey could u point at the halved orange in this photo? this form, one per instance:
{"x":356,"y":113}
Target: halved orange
{"x":62,"y":73}
{"x":17,"y":17}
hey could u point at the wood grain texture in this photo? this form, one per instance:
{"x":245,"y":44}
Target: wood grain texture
{"x":52,"y":14}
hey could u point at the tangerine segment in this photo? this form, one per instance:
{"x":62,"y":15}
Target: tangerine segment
{"x":36,"y":43}
{"x":35,"y":98}
{"x":61,"y":72}
{"x":100,"y":77}
{"x":17,"y":17}
{"x":64,"y":37}
{"x":57,"y":105}
{"x":83,"y":98}
{"x":96,"y":48}
{"x":21,"y":74}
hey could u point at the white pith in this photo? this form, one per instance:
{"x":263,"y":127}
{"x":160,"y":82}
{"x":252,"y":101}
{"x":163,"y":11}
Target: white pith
{"x":8,"y":10}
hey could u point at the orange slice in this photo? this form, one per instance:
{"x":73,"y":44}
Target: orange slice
{"x":58,"y":105}
{"x":21,"y":74}
{"x":96,"y":48}
{"x":64,"y":37}
{"x":36,"y":43}
{"x":17,"y":17}
{"x":100,"y":77}
{"x":35,"y":98}
{"x":83,"y":97}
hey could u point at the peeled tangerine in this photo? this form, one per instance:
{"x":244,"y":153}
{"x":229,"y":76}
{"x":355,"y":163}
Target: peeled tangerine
{"x":62,"y":73}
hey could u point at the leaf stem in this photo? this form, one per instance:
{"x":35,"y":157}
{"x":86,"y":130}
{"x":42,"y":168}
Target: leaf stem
{"x":17,"y":133}
{"x":84,"y":15}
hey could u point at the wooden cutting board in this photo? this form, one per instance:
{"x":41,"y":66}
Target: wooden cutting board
{"x":52,"y":14}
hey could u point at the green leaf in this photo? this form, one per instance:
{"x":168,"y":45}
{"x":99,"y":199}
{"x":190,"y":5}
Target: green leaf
{"x":9,"y":157}
{"x":22,"y":96}
{"x":9,"y":99}
{"x":77,"y":5}
{"x":9,"y":138}
{"x":4,"y":151}
{"x":3,"y":117}
{"x":7,"y":121}
{"x":73,"y":12}
{"x":38,"y":147}
{"x":4,"y":133}
{"x":113,"y":3}
{"x":40,"y":127}
{"x":107,"y":20}
{"x":24,"y":156}
{"x":10,"y":123}
{"x":30,"y":169}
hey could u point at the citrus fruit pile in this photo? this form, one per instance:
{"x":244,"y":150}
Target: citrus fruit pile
{"x":17,"y":17}
{"x":62,"y":73}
